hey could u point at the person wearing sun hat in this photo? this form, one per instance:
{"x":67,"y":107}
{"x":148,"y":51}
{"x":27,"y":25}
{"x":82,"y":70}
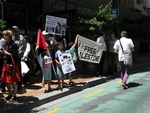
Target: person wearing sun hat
{"x":44,"y":33}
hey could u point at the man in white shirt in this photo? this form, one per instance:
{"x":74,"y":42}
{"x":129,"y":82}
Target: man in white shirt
{"x":26,"y":50}
{"x":128,"y":47}
{"x":101,"y":41}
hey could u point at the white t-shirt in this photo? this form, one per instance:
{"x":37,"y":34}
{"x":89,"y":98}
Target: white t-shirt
{"x":2,"y":43}
{"x":27,"y":50}
{"x":101,"y":41}
{"x":127,"y":44}
{"x":47,"y":66}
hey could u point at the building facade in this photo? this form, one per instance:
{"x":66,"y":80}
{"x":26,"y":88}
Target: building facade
{"x":29,"y":15}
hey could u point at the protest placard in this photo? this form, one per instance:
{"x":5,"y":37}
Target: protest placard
{"x":56,"y":25}
{"x":89,"y":50}
{"x":66,"y":61}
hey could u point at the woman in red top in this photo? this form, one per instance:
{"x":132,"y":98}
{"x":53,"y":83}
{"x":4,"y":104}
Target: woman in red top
{"x":13,"y":76}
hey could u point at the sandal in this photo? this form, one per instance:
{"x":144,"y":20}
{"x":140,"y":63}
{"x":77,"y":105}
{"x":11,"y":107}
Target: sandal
{"x":59,"y":87}
{"x":72,"y":83}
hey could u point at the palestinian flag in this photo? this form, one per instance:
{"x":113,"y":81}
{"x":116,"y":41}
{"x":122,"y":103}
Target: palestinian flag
{"x":40,"y":46}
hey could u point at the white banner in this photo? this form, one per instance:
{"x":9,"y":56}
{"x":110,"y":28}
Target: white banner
{"x":24,"y":68}
{"x":56,"y":25}
{"x":89,"y":50}
{"x":66,"y":61}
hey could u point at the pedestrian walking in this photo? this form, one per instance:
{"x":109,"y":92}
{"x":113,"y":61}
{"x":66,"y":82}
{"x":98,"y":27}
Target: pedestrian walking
{"x":127,"y":47}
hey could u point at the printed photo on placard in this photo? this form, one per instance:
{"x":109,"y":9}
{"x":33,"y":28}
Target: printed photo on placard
{"x":66,"y":62}
{"x":56,"y":25}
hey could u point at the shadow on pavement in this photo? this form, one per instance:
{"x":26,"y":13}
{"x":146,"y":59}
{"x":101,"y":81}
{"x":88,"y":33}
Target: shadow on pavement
{"x":31,"y":87}
{"x":19,"y":105}
{"x":133,"y":84}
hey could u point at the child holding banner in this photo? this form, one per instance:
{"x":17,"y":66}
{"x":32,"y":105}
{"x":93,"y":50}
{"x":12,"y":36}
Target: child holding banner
{"x":74,"y":58}
{"x":61,"y":75}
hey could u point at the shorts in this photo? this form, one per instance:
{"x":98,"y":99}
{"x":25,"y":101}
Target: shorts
{"x":47,"y":74}
{"x":60,"y":73}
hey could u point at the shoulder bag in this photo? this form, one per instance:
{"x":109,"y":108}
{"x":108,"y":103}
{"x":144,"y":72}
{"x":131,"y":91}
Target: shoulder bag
{"x":127,"y":57}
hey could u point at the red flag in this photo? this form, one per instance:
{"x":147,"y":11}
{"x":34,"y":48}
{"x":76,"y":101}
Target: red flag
{"x":40,"y":43}
{"x":40,"y":46}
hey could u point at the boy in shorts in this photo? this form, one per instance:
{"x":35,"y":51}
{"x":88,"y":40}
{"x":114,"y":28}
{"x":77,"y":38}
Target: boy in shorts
{"x":61,"y":75}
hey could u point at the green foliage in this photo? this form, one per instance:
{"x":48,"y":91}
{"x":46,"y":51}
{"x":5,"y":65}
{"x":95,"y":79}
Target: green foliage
{"x":100,"y":19}
{"x":93,"y":21}
{"x":2,"y":1}
{"x":2,"y":23}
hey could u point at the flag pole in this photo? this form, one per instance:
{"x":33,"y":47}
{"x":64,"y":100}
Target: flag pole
{"x":53,"y":66}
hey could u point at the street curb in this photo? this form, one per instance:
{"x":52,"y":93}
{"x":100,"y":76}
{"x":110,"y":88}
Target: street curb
{"x":51,"y":96}
{"x":58,"y":94}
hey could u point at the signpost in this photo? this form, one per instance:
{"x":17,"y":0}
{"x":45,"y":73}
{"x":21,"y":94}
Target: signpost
{"x":115,"y":12}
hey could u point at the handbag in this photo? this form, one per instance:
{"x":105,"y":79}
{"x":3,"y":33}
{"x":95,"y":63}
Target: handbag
{"x":9,"y":68}
{"x":127,"y":57}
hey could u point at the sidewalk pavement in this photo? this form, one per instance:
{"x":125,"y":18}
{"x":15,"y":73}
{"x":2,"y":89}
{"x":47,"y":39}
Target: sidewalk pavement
{"x":32,"y":95}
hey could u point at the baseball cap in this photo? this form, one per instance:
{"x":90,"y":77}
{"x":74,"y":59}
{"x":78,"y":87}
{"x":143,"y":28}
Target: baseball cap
{"x":45,"y":33}
{"x":14,"y":27}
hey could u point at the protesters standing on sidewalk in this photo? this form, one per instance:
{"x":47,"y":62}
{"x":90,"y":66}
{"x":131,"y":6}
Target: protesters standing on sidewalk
{"x":61,"y":75}
{"x":101,"y":41}
{"x":74,"y":58}
{"x":47,"y":74}
{"x":53,"y":43}
{"x":127,"y":46}
{"x":12,"y":75}
{"x":2,"y":46}
{"x":112,"y":56}
{"x":25,"y":58}
{"x":32,"y":56}
{"x":19,"y":40}
{"x":38,"y":67}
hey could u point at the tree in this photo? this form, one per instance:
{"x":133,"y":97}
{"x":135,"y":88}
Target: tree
{"x":100,"y":19}
{"x":93,"y":21}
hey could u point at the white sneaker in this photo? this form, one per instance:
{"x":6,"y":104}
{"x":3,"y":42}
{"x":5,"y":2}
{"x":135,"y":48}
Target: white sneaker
{"x":124,"y":86}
